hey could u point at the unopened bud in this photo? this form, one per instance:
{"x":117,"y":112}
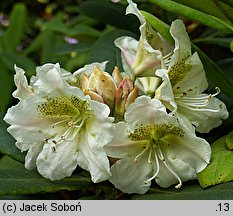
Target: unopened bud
{"x":93,"y":96}
{"x":117,"y":76}
{"x":126,"y":94}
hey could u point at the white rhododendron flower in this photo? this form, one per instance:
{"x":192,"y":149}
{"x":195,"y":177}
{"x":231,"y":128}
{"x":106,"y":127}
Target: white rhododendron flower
{"x":58,"y":126}
{"x":184,"y":82}
{"x":142,"y":58}
{"x":153,"y":146}
{"x":174,"y":75}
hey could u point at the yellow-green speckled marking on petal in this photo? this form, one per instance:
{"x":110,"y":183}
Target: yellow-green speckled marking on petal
{"x":149,"y":36}
{"x":155,"y":132}
{"x":63,"y":106}
{"x":178,"y":72}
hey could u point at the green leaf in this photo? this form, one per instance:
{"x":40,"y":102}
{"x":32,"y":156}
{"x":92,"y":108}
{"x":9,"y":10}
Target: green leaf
{"x":228,"y":2}
{"x":215,"y":7}
{"x":68,"y":48}
{"x":220,"y":169}
{"x":194,"y":14}
{"x":7,"y":142}
{"x":16,"y":180}
{"x":110,"y":13}
{"x":231,"y":46}
{"x":223,"y":42}
{"x":12,"y":58}
{"x":214,"y":73}
{"x":190,"y":191}
{"x":13,"y":35}
{"x":105,"y":50}
{"x":80,"y":31}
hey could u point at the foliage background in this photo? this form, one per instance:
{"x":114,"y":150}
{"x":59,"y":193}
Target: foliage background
{"x":76,"y":32}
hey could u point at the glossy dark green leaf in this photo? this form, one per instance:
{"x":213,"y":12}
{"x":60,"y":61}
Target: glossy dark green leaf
{"x":190,"y":191}
{"x":220,"y":169}
{"x":194,"y":14}
{"x":105,"y":50}
{"x":7,"y":142}
{"x":15,"y":179}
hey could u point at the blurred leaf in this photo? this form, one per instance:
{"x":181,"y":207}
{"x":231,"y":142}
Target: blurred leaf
{"x":36,"y":43}
{"x":228,"y":2}
{"x":220,"y":169}
{"x":110,"y":13}
{"x":81,"y":31}
{"x":223,"y":42}
{"x":7,"y":142}
{"x":76,"y":62}
{"x":105,"y":50}
{"x":232,"y":46}
{"x":13,"y":35}
{"x":214,"y":73}
{"x":190,"y":191}
{"x":215,"y":7}
{"x":12,"y":58}
{"x":15,"y":179}
{"x":194,"y":14}
{"x":68,"y":48}
{"x":57,"y":24}
{"x":49,"y":43}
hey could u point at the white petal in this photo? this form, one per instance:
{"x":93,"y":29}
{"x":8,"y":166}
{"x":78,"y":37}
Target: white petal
{"x":100,"y":110}
{"x":186,"y":156}
{"x":32,"y":154}
{"x":149,"y":57}
{"x":88,"y":69}
{"x":95,"y":161}
{"x":24,"y":120}
{"x":100,"y":132}
{"x":57,"y":161}
{"x":50,"y":77}
{"x":146,"y":110}
{"x":185,"y":172}
{"x":182,"y":42}
{"x":132,"y":9}
{"x":128,"y":47}
{"x":195,"y":81}
{"x":23,"y":89}
{"x":208,"y":117}
{"x":129,"y":176}
{"x":164,"y":91}
{"x":121,"y":146}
